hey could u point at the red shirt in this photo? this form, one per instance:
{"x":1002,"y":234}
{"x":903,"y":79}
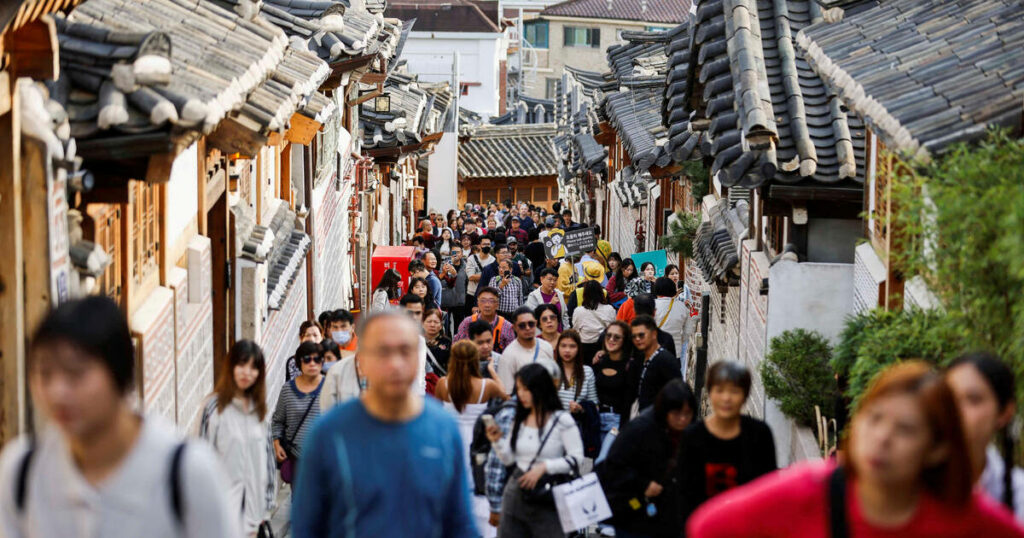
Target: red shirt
{"x":793,"y":502}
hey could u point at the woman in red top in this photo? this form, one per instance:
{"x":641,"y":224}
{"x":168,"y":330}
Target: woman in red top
{"x":907,"y":474}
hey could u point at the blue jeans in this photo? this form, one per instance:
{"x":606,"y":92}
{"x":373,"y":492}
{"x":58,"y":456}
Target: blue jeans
{"x":608,"y":421}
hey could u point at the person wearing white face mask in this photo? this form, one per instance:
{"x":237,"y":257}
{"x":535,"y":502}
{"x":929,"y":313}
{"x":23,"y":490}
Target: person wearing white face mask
{"x":340,"y":329}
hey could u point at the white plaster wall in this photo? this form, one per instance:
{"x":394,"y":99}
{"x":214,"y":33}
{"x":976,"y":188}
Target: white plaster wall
{"x":812,"y":296}
{"x":182,"y":193}
{"x":430,"y":55}
{"x":442,"y":180}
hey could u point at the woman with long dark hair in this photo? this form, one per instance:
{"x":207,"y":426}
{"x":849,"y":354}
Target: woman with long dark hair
{"x":639,"y":476}
{"x":613,"y":262}
{"x":984,"y":389}
{"x":466,"y":394}
{"x":610,"y":375}
{"x":577,"y":383}
{"x":643,"y":282}
{"x":906,"y":472}
{"x":418,"y":286}
{"x":544,"y":441}
{"x":624,"y":274}
{"x":233,"y":420}
{"x":387,"y":290}
{"x":591,"y":318}
{"x":298,"y":406}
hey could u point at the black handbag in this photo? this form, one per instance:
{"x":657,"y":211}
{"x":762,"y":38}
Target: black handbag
{"x":542,"y":491}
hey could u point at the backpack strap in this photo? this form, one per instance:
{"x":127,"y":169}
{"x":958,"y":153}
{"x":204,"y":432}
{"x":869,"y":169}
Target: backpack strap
{"x":21,"y":485}
{"x":838,"y":526}
{"x":175,"y":480}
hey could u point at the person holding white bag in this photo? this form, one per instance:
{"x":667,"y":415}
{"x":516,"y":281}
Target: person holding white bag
{"x":639,"y":474}
{"x":546,"y":448}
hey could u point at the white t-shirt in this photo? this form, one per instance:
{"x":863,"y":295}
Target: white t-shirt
{"x":135,"y":500}
{"x":516,"y":356}
{"x":591,"y":323}
{"x":672,"y":315}
{"x":474,"y":266}
{"x":564,"y":442}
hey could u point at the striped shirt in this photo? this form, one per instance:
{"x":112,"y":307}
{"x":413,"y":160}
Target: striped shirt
{"x":587,"y":392}
{"x":287,"y":422}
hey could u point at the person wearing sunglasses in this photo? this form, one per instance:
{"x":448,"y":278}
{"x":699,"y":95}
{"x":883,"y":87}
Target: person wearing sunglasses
{"x":651,"y":367}
{"x":610,"y":375}
{"x":525,"y":349}
{"x":298,"y":407}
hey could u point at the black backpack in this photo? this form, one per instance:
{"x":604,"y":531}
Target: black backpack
{"x":480,"y":446}
{"x":174,"y":477}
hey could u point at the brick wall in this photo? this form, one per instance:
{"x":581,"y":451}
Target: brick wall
{"x":153,"y":326}
{"x":280,"y":335}
{"x":754,"y":309}
{"x":330,"y":259}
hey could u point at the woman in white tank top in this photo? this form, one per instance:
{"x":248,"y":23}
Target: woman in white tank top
{"x":465,"y":393}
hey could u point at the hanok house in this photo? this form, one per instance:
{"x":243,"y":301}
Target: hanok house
{"x":622,"y":111}
{"x":323,"y":174}
{"x":399,"y":128}
{"x":515,"y":162}
{"x":787,"y":169}
{"x":951,"y":73}
{"x":216,"y":192}
{"x":46,"y":258}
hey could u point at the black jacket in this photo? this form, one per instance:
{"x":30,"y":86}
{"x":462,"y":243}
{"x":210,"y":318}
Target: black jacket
{"x":661,"y":368}
{"x":641,"y":454}
{"x":708,"y":464}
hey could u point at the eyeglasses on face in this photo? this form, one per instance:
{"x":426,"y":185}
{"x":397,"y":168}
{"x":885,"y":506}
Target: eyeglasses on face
{"x":487,"y":301}
{"x":312,"y":358}
{"x":613,"y":336}
{"x":639,"y":336}
{"x":546,"y":319}
{"x":526,"y":324}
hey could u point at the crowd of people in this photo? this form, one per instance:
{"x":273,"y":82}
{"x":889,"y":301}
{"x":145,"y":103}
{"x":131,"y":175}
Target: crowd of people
{"x":468,"y":390}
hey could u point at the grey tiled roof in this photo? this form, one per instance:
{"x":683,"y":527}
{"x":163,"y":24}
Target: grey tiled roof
{"x":413,"y":113}
{"x":331,"y":30}
{"x":499,"y":151}
{"x":527,"y":110}
{"x":765,"y":114}
{"x":675,"y":113}
{"x":951,"y":68}
{"x":137,"y":66}
{"x":640,"y":65}
{"x":656,"y":11}
{"x":716,"y":244}
{"x":280,"y":244}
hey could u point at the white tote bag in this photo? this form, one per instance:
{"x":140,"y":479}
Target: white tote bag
{"x":581,"y":503}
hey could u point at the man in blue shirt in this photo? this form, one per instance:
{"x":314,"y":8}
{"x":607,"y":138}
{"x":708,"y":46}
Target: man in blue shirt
{"x":390,"y":464}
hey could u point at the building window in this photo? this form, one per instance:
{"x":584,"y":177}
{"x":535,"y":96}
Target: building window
{"x":145,"y":212}
{"x":489,"y":196}
{"x":536,"y":34}
{"x":550,"y":88}
{"x":656,"y":29}
{"x":582,"y":37}
{"x":107,"y":234}
{"x":540,"y":194}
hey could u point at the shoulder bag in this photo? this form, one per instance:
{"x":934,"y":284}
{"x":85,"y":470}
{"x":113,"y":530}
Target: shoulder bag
{"x":542,"y":491}
{"x":289,"y":465}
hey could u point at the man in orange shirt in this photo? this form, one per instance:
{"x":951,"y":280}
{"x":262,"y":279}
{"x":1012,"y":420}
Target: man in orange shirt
{"x":340,"y":328}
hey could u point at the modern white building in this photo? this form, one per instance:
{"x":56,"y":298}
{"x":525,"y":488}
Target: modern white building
{"x":471,"y":29}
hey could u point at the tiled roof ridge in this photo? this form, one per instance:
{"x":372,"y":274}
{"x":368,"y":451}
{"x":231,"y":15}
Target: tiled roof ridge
{"x":654,"y":11}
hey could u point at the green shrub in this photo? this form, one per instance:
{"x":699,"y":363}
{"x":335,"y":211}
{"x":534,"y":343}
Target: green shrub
{"x":681,"y":232}
{"x":856,"y":329}
{"x":797,"y":374}
{"x":888,"y":338}
{"x":962,"y":217}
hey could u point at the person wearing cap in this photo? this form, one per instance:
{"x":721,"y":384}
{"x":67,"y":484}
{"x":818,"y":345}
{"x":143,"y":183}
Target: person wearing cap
{"x":517,"y":231}
{"x":520,"y":259}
